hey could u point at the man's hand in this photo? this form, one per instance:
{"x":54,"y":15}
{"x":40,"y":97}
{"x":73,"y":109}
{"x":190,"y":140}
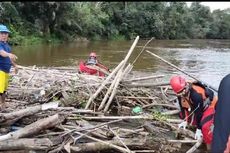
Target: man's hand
{"x":183,"y":125}
{"x":12,"y":57}
{"x":198,"y":134}
{"x":15,"y":69}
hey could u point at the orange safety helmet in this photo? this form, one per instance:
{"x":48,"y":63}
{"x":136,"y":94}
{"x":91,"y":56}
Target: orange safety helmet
{"x":93,"y":54}
{"x":177,"y":83}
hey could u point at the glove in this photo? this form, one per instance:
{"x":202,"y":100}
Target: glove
{"x":183,"y":125}
{"x":198,"y":134}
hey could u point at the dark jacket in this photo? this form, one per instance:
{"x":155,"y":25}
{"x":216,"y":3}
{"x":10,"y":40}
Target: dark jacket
{"x":222,"y":117}
{"x":197,"y":102}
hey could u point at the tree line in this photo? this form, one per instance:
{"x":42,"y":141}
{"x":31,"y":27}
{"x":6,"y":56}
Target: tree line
{"x":68,"y":21}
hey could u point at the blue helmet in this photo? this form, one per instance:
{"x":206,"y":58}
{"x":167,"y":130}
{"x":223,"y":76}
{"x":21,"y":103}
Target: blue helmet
{"x":3,"y":28}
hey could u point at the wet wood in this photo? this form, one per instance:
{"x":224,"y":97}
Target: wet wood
{"x":26,"y":144}
{"x":33,"y":128}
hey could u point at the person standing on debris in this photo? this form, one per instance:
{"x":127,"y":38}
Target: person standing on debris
{"x":221,"y":134}
{"x":197,"y":103}
{"x":7,"y":59}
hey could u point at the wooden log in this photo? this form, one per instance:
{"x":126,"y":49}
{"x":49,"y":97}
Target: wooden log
{"x":26,"y":144}
{"x":98,"y":132}
{"x":172,"y":112}
{"x":159,"y":104}
{"x":182,"y":141}
{"x":133,"y":143}
{"x":10,"y":118}
{"x":33,"y":128}
{"x":107,"y":143}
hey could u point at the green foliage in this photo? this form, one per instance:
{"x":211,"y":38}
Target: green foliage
{"x":158,"y":116}
{"x":38,"y":22}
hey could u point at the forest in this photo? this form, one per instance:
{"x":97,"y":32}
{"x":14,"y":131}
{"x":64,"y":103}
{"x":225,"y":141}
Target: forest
{"x":36,"y":22}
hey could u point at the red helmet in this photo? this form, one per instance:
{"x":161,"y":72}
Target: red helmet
{"x":177,"y":83}
{"x":93,"y":54}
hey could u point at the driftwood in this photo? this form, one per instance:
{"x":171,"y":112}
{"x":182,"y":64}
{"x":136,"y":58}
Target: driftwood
{"x":10,"y":118}
{"x":134,"y":143}
{"x":26,"y":144}
{"x":34,"y":128}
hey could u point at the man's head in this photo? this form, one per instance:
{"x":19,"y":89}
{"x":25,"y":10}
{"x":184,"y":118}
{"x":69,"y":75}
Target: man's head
{"x":93,"y":54}
{"x":4,"y":33}
{"x":178,"y":84}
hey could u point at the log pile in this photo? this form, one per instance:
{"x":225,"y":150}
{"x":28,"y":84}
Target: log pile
{"x":59,"y":110}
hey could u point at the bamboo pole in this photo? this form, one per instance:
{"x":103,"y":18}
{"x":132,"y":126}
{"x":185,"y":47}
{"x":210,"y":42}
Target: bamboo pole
{"x":103,"y":85}
{"x":108,"y":92}
{"x":144,"y":78}
{"x":181,"y":70}
{"x":111,"y":87}
{"x":127,"y":70}
{"x":119,"y":77}
{"x":147,"y":84}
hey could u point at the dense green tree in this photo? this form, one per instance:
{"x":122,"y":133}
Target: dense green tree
{"x":113,"y":20}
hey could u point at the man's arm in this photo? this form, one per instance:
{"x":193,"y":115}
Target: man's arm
{"x":10,"y":55}
{"x":198,"y":106}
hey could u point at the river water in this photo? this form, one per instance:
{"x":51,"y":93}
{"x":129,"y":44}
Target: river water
{"x":207,"y":60}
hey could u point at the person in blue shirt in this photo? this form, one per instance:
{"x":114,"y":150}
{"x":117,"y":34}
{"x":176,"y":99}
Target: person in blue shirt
{"x":7,"y":59}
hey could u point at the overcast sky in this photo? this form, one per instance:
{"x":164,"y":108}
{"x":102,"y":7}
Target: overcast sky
{"x":214,"y":5}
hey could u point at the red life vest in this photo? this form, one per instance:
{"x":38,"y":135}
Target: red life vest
{"x":207,"y":122}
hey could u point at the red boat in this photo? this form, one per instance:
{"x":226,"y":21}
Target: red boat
{"x":83,"y":68}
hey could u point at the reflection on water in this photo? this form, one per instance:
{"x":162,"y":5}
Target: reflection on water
{"x":207,"y":60}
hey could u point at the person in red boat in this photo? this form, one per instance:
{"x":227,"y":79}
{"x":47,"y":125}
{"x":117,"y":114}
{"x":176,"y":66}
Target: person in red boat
{"x":93,"y":67}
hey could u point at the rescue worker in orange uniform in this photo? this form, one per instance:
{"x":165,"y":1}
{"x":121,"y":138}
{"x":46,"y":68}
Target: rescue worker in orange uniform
{"x":197,"y":103}
{"x":221,"y":134}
